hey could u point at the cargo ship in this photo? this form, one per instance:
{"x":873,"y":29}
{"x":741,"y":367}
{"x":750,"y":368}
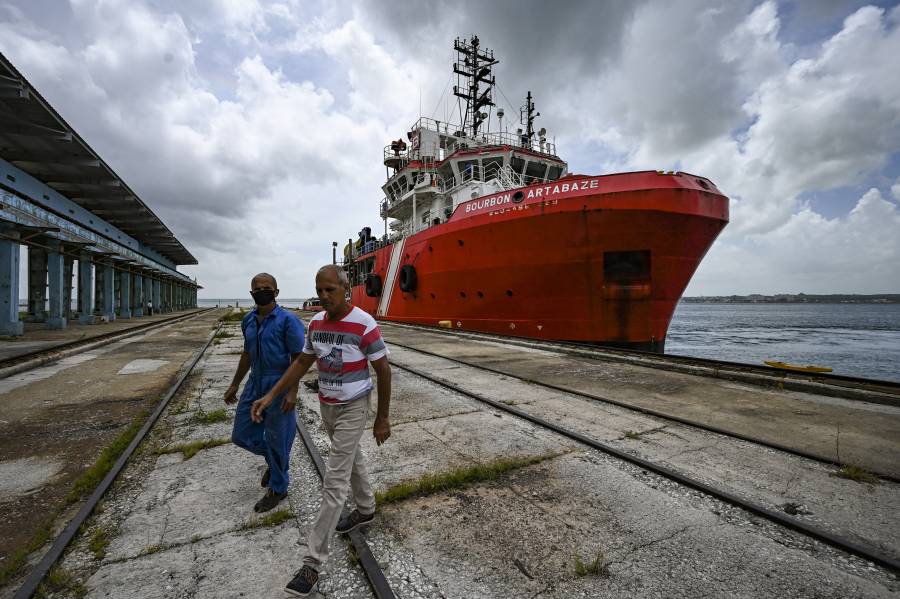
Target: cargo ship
{"x":486,"y":230}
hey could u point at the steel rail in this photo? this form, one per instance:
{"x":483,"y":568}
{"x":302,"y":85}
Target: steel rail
{"x":367,"y":560}
{"x":650,"y":412}
{"x":796,"y":524}
{"x":27,"y":361}
{"x":675,"y":362}
{"x":37,"y":575}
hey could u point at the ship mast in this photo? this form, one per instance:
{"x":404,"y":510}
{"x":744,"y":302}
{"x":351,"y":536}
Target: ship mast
{"x":526,"y":117}
{"x":473,"y":67}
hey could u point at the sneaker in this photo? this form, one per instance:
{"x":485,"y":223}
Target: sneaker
{"x":265,"y":478}
{"x":268,"y":501}
{"x":304,"y":582}
{"x":352,"y":521}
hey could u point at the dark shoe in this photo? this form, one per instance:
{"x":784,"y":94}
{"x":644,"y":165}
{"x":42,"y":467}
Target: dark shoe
{"x":265,"y":479}
{"x":303,"y":583}
{"x":268,"y":501}
{"x":352,"y":521}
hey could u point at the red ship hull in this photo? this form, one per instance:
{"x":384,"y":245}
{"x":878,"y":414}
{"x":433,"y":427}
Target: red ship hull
{"x":590,"y":259}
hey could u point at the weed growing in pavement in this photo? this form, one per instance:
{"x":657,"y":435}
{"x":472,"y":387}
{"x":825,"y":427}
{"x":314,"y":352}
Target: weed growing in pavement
{"x":857,"y":474}
{"x":60,"y":580}
{"x":223,"y":334}
{"x":189,"y":450}
{"x":155,"y":549}
{"x":509,"y":402}
{"x":91,"y":477}
{"x":219,"y":415}
{"x":352,"y":555}
{"x":454,"y":479}
{"x":632,"y":435}
{"x":16,"y":560}
{"x":271,"y":519}
{"x":99,"y":541}
{"x":598,"y":567}
{"x":234,"y":316}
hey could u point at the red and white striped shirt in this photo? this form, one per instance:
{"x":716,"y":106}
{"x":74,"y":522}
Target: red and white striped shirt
{"x":343,"y":349}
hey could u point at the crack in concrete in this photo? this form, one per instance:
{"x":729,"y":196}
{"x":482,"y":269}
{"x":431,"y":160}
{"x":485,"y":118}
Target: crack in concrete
{"x":650,"y":543}
{"x":431,"y":418}
{"x":692,"y":450}
{"x":444,"y":443}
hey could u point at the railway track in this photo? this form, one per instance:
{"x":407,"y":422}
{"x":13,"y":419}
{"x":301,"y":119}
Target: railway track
{"x":833,"y":385}
{"x":43,"y":567}
{"x":367,"y":561}
{"x":39,"y":357}
{"x":648,"y":411}
{"x":815,"y":532}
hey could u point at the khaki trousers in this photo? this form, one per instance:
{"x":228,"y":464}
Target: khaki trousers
{"x":345,"y":425}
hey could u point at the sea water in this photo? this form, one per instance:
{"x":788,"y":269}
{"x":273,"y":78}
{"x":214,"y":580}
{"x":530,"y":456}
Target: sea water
{"x":861,"y":340}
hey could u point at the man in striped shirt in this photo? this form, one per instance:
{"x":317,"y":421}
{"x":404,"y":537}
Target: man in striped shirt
{"x":342,"y":340}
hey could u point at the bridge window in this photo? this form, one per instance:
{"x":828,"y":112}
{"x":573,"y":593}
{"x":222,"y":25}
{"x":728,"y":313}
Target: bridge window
{"x":517,"y":164}
{"x":535,"y":170}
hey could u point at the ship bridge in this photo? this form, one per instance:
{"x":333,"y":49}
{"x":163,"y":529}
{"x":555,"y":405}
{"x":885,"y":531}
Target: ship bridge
{"x":442,"y":165}
{"x":79,"y":221}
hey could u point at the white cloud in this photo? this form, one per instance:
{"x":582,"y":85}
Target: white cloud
{"x":255,"y":129}
{"x":811,"y":254}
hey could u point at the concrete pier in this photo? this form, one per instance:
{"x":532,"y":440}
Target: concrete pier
{"x":185,"y":523}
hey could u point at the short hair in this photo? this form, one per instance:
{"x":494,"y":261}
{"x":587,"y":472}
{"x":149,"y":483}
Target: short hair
{"x":341,"y":274}
{"x":265,"y":275}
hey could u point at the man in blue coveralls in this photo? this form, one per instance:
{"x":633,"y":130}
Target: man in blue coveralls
{"x":273,"y":337}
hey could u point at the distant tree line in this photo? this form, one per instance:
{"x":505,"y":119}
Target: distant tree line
{"x":795,"y":298}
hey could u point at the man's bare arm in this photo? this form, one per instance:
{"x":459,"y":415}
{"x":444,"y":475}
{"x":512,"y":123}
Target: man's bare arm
{"x":239,"y":374}
{"x":382,"y":428}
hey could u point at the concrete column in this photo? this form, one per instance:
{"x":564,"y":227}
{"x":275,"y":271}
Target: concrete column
{"x":68,"y":268}
{"x":37,"y":284}
{"x":99,"y":288}
{"x":9,"y":286}
{"x":117,"y":284}
{"x":124,"y":294}
{"x":109,"y":292}
{"x":157,"y":296}
{"x":138,"y":302}
{"x":148,"y":293}
{"x":57,"y":314}
{"x":85,"y":289}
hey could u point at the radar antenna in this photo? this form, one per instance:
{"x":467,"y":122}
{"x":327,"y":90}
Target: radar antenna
{"x":473,"y":67}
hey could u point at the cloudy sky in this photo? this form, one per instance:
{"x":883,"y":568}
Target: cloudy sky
{"x":255,"y":129}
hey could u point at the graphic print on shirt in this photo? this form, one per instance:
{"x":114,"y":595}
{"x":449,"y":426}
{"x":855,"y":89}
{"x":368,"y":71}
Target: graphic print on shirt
{"x":334,"y":361}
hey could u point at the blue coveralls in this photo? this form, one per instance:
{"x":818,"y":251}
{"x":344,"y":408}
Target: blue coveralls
{"x":270,"y":345}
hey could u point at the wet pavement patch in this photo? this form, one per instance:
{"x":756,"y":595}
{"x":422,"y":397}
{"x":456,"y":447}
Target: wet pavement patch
{"x":142,"y":366}
{"x":26,"y":475}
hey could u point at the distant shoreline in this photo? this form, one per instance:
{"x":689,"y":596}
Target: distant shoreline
{"x":799,"y":298}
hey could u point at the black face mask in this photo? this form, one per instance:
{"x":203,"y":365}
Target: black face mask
{"x":263,"y":297}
